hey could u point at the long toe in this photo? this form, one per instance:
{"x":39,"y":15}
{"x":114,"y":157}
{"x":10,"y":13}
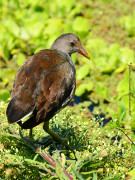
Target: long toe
{"x":67,"y":147}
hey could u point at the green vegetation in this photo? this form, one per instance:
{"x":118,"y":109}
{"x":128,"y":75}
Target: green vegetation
{"x":107,"y":30}
{"x":98,"y":152}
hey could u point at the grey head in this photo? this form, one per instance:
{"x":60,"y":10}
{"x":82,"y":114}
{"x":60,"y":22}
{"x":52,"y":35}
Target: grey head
{"x":69,"y":43}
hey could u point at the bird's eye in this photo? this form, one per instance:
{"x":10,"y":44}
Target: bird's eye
{"x":72,"y":44}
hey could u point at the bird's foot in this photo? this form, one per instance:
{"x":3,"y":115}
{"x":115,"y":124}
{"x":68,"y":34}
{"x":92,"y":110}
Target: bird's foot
{"x":63,"y":142}
{"x":44,"y":142}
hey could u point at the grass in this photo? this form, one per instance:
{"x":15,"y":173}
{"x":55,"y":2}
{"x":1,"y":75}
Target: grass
{"x":101,"y":153}
{"x":107,"y":41}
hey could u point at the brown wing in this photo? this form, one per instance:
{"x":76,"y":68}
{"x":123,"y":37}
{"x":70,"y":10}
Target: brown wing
{"x":40,"y":85}
{"x":57,"y":90}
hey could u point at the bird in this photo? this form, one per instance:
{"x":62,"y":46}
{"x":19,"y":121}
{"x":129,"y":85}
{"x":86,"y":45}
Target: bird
{"x":45,"y":84}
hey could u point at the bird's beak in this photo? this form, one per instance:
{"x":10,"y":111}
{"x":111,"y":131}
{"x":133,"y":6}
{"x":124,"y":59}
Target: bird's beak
{"x":83,"y":52}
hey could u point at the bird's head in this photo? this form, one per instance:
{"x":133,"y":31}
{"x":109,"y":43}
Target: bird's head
{"x":69,"y":43}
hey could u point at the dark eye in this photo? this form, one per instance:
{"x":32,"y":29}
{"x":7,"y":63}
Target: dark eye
{"x":72,"y":44}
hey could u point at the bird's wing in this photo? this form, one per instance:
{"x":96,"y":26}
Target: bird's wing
{"x":37,"y":85}
{"x":57,"y":90}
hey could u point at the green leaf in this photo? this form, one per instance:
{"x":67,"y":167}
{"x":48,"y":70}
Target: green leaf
{"x":127,"y":55}
{"x":20,"y":59}
{"x":54,"y":32}
{"x":37,"y":26}
{"x":123,"y":86}
{"x":4,"y":95}
{"x":34,"y":25}
{"x":132,"y":174}
{"x":95,"y":176}
{"x":102,"y":91}
{"x":97,"y":45}
{"x":5,"y":51}
{"x":24,"y":34}
{"x":112,"y":125}
{"x":0,"y":74}
{"x":125,"y":101}
{"x":8,"y":75}
{"x":77,"y":174}
{"x":120,"y":69}
{"x":114,"y":49}
{"x":128,"y":23}
{"x":81,"y":25}
{"x":132,"y":145}
{"x":83,"y":87}
{"x":122,"y":116}
{"x":76,"y":9}
{"x":12,"y":27}
{"x":82,"y":72}
{"x":60,"y":173}
{"x":66,"y":4}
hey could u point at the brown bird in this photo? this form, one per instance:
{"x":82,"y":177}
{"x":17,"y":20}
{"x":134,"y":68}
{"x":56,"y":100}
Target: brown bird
{"x":45,"y":84}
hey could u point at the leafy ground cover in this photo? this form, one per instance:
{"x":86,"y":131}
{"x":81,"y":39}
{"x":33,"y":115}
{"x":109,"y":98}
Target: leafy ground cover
{"x":101,"y":153}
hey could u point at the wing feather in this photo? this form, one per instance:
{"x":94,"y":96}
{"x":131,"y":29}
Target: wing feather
{"x":43,"y":85}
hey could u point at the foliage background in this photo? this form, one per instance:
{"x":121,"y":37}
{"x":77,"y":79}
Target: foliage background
{"x":107,"y":31}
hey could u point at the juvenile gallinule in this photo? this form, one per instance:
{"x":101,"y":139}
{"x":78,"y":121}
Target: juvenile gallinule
{"x":45,"y":84}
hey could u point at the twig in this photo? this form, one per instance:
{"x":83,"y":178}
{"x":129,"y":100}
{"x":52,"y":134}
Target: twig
{"x":44,"y":155}
{"x":126,"y":136}
{"x":130,"y":93}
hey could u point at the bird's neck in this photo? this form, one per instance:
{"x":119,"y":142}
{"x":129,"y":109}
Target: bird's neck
{"x":66,"y":55}
{"x":60,"y":47}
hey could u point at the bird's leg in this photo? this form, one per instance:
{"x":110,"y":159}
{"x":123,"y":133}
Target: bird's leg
{"x":55,"y":136}
{"x":50,"y":132}
{"x":30,"y":134}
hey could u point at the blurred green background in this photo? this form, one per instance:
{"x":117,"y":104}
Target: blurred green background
{"x":107,"y":31}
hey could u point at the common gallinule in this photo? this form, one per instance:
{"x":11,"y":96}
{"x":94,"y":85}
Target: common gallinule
{"x":45,"y":84}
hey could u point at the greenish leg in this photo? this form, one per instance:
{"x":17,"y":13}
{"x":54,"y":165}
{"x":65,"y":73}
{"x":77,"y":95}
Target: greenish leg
{"x":30,"y":134}
{"x":55,"y":136}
